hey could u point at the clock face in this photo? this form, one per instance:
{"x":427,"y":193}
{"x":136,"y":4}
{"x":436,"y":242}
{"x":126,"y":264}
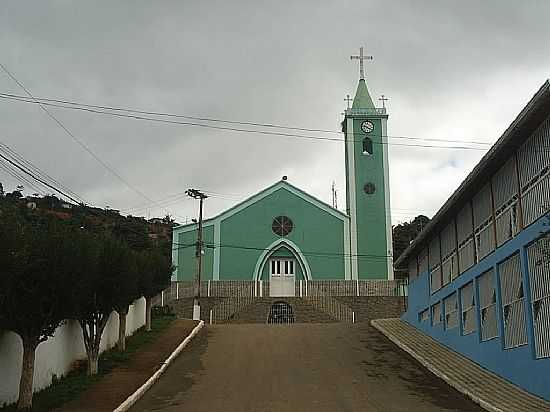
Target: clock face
{"x":367,"y":126}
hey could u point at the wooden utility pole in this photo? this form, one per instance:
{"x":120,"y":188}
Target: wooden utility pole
{"x":199,"y":251}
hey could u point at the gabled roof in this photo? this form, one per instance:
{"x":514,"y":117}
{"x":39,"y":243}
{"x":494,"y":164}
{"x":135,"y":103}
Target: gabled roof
{"x":282,"y":184}
{"x":527,"y":121}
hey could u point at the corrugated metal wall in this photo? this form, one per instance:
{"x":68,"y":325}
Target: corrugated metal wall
{"x":534,"y":156}
{"x":506,"y":193}
{"x":513,"y":302}
{"x":467,"y":301}
{"x":534,"y":165}
{"x":434,"y":257}
{"x":488,"y":305}
{"x":451,"y":311}
{"x":539,"y":275}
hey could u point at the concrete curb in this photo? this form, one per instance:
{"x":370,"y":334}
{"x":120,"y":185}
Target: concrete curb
{"x":451,"y":382}
{"x":133,"y":398}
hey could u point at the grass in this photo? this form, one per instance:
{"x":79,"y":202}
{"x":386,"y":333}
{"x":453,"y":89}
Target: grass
{"x":75,"y":382}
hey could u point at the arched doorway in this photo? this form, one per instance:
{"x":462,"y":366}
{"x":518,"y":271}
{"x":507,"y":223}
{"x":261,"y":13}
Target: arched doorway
{"x":280,"y":313}
{"x":282,"y":264}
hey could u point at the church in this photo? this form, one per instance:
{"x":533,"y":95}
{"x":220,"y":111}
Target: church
{"x":283,"y":234}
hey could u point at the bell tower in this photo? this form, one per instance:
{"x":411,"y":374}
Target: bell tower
{"x":367,"y":184}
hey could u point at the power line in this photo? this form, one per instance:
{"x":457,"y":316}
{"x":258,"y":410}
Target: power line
{"x":80,"y":143}
{"x":215,"y":120}
{"x":8,"y":151}
{"x":233,"y":129}
{"x":307,"y":253}
{"x":38,"y":179}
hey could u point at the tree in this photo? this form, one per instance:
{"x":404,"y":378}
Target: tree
{"x":37,"y":262}
{"x":405,"y":233}
{"x":156,"y":272}
{"x":96,"y":295}
{"x":126,"y":289}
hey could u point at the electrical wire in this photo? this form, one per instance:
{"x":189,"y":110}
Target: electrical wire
{"x":214,"y":120}
{"x":233,"y":129}
{"x":73,"y":137}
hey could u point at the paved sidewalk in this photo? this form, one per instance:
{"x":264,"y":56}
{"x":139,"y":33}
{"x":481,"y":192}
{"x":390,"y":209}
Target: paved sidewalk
{"x":113,"y":389}
{"x":485,"y":388}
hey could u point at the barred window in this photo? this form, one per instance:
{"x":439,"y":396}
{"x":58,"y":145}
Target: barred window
{"x":539,"y":275}
{"x":437,"y":316}
{"x":424,"y":316}
{"x":488,"y":305}
{"x":451,"y":311}
{"x":513,"y":302}
{"x":468,"y":303}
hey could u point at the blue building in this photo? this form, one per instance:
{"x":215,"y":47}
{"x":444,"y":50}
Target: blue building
{"x":479,"y":273}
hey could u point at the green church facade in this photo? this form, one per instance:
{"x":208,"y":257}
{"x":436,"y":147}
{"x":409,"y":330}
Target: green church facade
{"x":283,"y":235}
{"x":240,"y":242}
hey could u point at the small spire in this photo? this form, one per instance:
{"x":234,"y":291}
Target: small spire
{"x":362,"y":98}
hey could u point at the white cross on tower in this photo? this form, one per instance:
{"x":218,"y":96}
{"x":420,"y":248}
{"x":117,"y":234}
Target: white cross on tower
{"x":361,"y":57}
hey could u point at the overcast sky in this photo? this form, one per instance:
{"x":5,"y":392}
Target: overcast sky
{"x":452,"y":70}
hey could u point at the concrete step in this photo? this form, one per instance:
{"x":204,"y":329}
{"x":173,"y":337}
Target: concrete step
{"x":483,"y":387}
{"x":258,"y":311}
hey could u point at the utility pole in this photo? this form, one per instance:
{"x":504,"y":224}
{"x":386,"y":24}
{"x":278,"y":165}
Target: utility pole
{"x":199,"y":251}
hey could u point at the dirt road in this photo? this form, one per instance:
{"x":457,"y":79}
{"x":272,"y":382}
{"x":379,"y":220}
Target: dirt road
{"x":300,"y":367}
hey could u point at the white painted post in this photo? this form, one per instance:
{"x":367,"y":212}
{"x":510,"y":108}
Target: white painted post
{"x":357,"y":287}
{"x":210,"y":316}
{"x":301,"y":285}
{"x":306,"y":289}
{"x":162,"y":298}
{"x":208,"y":293}
{"x":177,"y":290}
{"x":353,"y":317}
{"x":255,"y":287}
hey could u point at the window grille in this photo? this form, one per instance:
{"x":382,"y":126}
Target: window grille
{"x":505,"y":184}
{"x":424,"y":316}
{"x":485,"y":240}
{"x":513,"y":302}
{"x":507,"y":223}
{"x":464,"y":224}
{"x":449,"y":269}
{"x":482,"y":206}
{"x":451,"y":311}
{"x":534,"y":156}
{"x":435,"y":252}
{"x":435,"y":278}
{"x":448,"y":240}
{"x":466,"y":255}
{"x":437,"y":317}
{"x":536,"y":199}
{"x":413,"y":269}
{"x":487,"y":305}
{"x":468,"y":303}
{"x":538,"y":256}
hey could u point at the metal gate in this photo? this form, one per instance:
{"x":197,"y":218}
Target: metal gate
{"x":281,"y":313}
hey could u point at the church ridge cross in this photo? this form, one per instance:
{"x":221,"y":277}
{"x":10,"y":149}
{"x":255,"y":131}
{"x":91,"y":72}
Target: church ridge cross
{"x":348,"y":99}
{"x":361,"y":57}
{"x":383,"y":99}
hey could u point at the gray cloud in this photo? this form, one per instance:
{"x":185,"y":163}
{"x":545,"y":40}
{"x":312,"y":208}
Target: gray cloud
{"x":459,"y":70}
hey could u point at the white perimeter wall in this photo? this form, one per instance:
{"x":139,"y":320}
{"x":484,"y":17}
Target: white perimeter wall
{"x":57,"y":354}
